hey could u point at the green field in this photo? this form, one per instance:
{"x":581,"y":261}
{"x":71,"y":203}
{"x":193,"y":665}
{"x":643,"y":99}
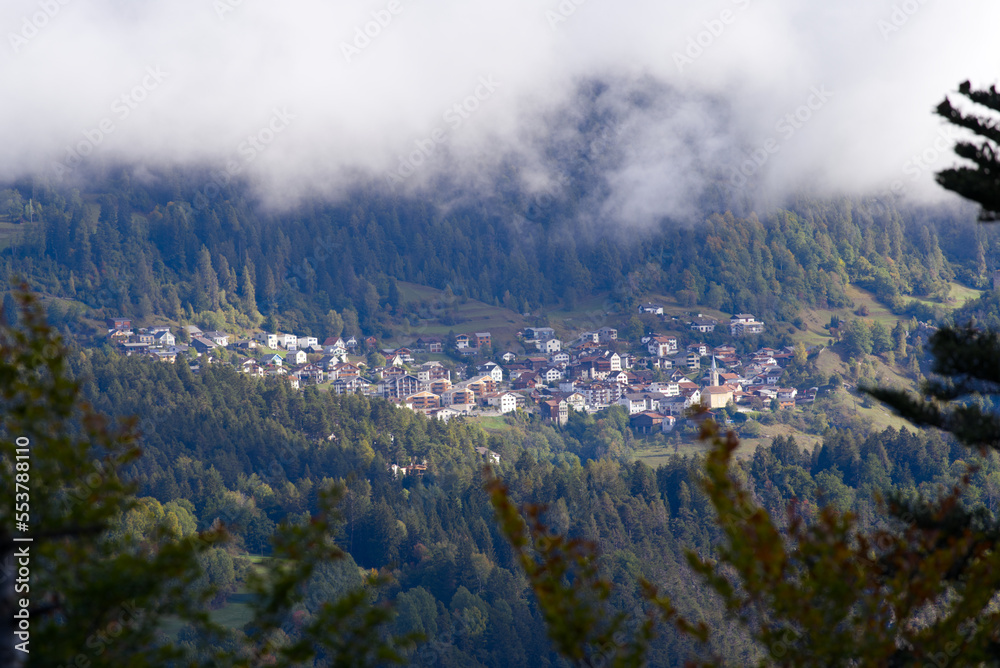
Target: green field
{"x":469,"y":315}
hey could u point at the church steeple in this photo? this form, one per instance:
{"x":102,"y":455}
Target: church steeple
{"x":715,"y":374}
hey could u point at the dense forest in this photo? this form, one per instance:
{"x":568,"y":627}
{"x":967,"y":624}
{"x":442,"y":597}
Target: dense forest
{"x":220,"y":446}
{"x":162,"y":247}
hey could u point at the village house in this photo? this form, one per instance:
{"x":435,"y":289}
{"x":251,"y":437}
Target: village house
{"x":549,"y":346}
{"x":744,"y":324}
{"x":662,"y":346}
{"x":482,"y":339}
{"x":703,"y":325}
{"x":488,"y":454}
{"x":423,"y":401}
{"x":539,"y":333}
{"x":505,"y":402}
{"x":268,"y":340}
{"x":607,"y":334}
{"x":650,"y":307}
{"x":556,"y":410}
{"x":462,"y":341}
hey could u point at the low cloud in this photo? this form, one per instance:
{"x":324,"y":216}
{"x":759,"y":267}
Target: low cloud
{"x":671,"y":101}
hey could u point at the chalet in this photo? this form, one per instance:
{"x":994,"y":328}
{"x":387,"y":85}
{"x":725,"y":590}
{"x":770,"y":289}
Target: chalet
{"x":662,"y":346}
{"x":551,"y":374}
{"x":491,"y":369}
{"x":607,"y":334}
{"x":525,"y":381}
{"x":352,"y":343}
{"x":539,"y":333}
{"x":508,"y":357}
{"x":650,"y":307}
{"x":370,"y":342}
{"x":647,"y":422}
{"x":462,"y":341}
{"x":274,"y":359}
{"x":703,"y":325}
{"x":347,"y":370}
{"x":119,"y":323}
{"x":219,"y":338}
{"x":203,"y":345}
{"x":561,"y":358}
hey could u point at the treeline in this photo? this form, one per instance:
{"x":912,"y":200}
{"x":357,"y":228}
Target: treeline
{"x":222,"y":446}
{"x":162,"y":247}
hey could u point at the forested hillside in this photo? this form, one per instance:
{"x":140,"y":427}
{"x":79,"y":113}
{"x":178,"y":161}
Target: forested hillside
{"x":165,"y":248}
{"x":221,"y":445}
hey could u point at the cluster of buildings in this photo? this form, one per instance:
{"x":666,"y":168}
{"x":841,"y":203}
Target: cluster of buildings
{"x":657,"y":381}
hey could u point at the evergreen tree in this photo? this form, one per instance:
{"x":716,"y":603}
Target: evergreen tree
{"x":980,"y":183}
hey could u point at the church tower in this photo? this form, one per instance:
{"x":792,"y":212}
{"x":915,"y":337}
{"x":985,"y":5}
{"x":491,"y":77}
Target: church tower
{"x":715,"y":374}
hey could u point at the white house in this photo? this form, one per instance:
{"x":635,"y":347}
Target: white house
{"x":506,"y":402}
{"x":550,"y":345}
{"x":297,"y":357}
{"x":165,"y":338}
{"x":288,"y":341}
{"x":269,"y":340}
{"x":649,"y":307}
{"x":306,"y":341}
{"x":493,"y":370}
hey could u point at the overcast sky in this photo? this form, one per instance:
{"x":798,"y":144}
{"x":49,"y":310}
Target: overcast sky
{"x":694,"y":88}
